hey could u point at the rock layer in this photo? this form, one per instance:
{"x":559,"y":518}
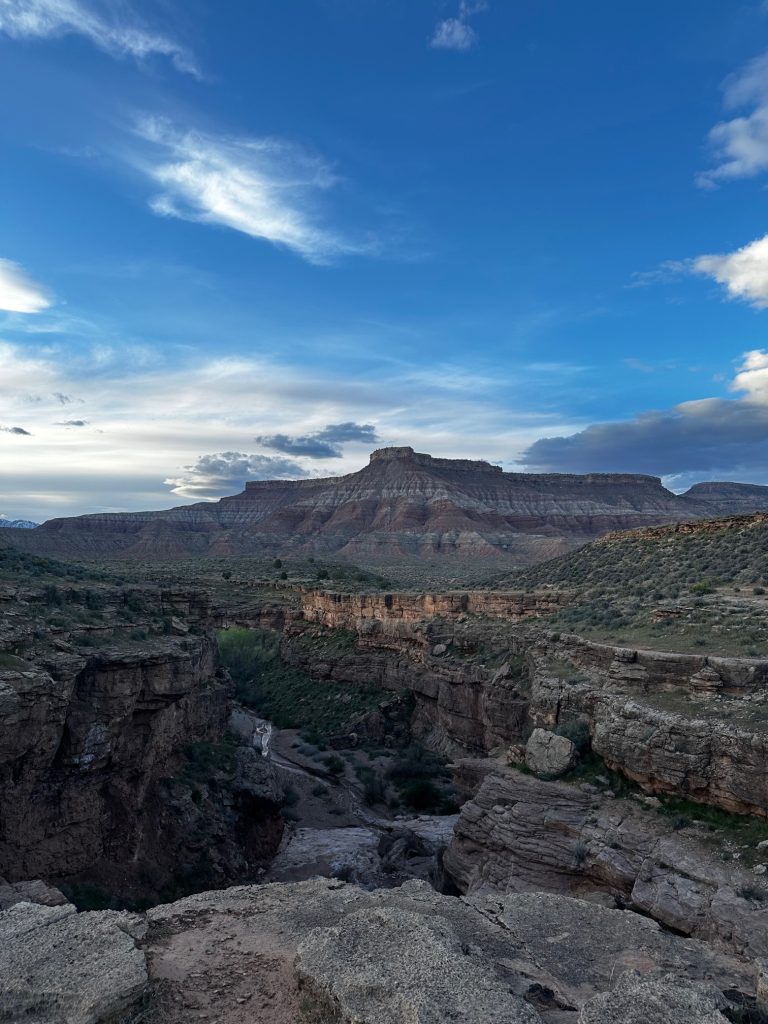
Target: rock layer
{"x":521,"y":834}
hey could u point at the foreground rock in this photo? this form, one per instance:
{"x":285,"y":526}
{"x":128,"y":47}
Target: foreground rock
{"x":60,"y":966}
{"x":325,"y":951}
{"x":520,"y":834}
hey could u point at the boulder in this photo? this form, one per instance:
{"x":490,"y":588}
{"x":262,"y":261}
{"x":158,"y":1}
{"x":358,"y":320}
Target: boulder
{"x":549,"y":755}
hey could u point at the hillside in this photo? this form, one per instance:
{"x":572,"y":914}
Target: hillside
{"x":680,"y":587}
{"x":402,"y":505}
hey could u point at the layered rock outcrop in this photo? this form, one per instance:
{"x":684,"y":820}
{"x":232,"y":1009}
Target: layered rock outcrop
{"x":522,"y":834}
{"x":348,"y":611}
{"x":694,"y":725}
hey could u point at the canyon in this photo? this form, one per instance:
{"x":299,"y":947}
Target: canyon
{"x":404,"y":504}
{"x":608,"y":857}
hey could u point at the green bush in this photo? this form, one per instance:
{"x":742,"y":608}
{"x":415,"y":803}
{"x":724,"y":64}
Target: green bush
{"x":334,"y":764}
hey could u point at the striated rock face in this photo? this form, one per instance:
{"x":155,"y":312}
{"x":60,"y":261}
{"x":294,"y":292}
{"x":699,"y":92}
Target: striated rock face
{"x":402,"y":504}
{"x":689,"y":724}
{"x":347,"y":611}
{"x":322,"y":950}
{"x":522,"y":834}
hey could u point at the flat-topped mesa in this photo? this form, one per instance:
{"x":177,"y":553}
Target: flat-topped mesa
{"x":403,"y":504}
{"x":407,"y":454}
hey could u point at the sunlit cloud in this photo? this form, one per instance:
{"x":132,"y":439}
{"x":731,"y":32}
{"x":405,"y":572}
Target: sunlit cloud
{"x":262,"y":187}
{"x":18,"y":292}
{"x":110,"y":27}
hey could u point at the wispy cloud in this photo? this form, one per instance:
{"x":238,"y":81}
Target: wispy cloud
{"x":457,"y":33}
{"x":18,"y":292}
{"x":100,"y":23}
{"x":740,"y":145}
{"x":16,"y":430}
{"x":263,"y":187}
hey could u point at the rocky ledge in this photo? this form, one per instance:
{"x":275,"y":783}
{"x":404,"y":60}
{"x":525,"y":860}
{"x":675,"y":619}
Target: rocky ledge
{"x":323,"y":951}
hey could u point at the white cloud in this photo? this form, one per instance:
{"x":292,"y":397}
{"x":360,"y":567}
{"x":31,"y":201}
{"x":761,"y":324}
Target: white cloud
{"x":743,"y":273}
{"x":145,"y":424}
{"x":18,"y":292}
{"x":752,"y":377}
{"x":453,"y":34}
{"x":214,"y":476}
{"x":457,"y":33}
{"x":29,"y":19}
{"x":740,"y":145}
{"x":262,"y":187}
{"x":720,"y":438}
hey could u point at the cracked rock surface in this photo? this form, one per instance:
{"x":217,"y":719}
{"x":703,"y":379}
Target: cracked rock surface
{"x":326,"y":952}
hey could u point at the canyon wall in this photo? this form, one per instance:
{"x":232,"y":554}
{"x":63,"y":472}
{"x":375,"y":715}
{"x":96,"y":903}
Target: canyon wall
{"x":694,"y":725}
{"x":95,"y":744}
{"x":346,"y":610}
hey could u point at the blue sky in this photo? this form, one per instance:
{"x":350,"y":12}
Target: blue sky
{"x":261,"y":238}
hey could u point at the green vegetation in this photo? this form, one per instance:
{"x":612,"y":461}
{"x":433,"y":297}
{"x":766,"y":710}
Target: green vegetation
{"x":666,"y":589}
{"x":667,"y":561}
{"x":742,"y":829}
{"x":422,"y":781}
{"x":11,"y":662}
{"x":288,"y":696}
{"x":204,"y":759}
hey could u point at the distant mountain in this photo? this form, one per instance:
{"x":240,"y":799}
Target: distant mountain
{"x":403,"y":504}
{"x":729,"y":499}
{"x":19,"y":524}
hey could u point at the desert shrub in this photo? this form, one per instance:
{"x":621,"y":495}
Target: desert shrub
{"x":577,"y":731}
{"x":334,"y":764}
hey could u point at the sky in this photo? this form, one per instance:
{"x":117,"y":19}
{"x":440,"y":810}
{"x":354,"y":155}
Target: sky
{"x":257,"y":238}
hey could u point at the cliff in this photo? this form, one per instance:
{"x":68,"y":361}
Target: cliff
{"x":403,"y":504}
{"x":99,"y":717}
{"x":694,"y":725}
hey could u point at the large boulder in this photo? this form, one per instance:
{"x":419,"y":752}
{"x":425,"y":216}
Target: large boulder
{"x":549,"y":755}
